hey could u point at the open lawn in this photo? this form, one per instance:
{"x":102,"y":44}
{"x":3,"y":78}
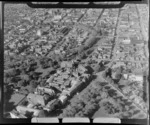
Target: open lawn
{"x":16,"y":98}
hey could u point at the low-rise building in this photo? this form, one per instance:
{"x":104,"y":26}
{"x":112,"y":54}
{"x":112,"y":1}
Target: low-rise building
{"x":24,"y":110}
{"x":136,"y":78}
{"x":16,"y":114}
{"x":36,"y":99}
{"x":46,"y":90}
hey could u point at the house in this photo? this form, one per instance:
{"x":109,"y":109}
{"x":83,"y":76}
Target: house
{"x":49,"y":104}
{"x":81,"y":68}
{"x":66,"y":64}
{"x":50,"y":80}
{"x":65,"y":92}
{"x":23,"y":110}
{"x":15,"y":114}
{"x":125,"y":76}
{"x":57,"y":51}
{"x":136,"y":78}
{"x":126,"y":89}
{"x":36,"y":99}
{"x":46,"y":90}
{"x":22,"y":30}
{"x":63,"y":98}
{"x":39,"y":33}
{"x":126,"y":41}
{"x":57,"y":18}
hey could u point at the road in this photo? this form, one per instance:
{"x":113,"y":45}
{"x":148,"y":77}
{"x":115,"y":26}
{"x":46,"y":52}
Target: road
{"x":114,"y":59}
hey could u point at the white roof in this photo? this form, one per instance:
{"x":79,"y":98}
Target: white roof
{"x":57,"y":17}
{"x":63,"y":98}
{"x":127,"y":41}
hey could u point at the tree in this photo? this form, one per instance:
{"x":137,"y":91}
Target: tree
{"x":6,"y":75}
{"x":24,"y":91}
{"x":10,"y":73}
{"x":69,"y":112}
{"x":20,"y":83}
{"x":96,"y":84}
{"x":131,"y":107}
{"x":46,"y":97}
{"x":33,"y":84}
{"x":75,"y":101}
{"x":129,"y":103}
{"x":98,"y":99}
{"x":107,"y":87}
{"x":112,"y":92}
{"x":90,"y":109}
{"x":97,"y":68}
{"x":104,"y":95}
{"x":93,"y":94}
{"x":86,"y":98}
{"x":42,"y":114}
{"x":136,"y":112}
{"x":142,"y":116}
{"x":5,"y":89}
{"x":42,"y":83}
{"x":80,"y":114}
{"x":65,"y":112}
{"x":109,"y":73}
{"x":80,"y":106}
{"x":103,"y":83}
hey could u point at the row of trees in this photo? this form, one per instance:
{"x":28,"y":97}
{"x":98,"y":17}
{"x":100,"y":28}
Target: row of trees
{"x":98,"y":95}
{"x":86,"y":103}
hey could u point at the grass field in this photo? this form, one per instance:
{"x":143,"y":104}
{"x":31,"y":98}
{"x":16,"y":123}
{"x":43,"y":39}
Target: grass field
{"x":16,"y":98}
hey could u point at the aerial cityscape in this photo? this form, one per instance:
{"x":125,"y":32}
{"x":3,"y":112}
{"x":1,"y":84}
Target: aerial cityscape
{"x":76,"y":62}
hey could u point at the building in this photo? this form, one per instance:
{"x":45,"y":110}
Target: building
{"x":46,"y":90}
{"x":16,"y":114}
{"x":126,"y":76}
{"x":22,"y":30}
{"x":126,"y":41}
{"x":36,"y":99}
{"x":25,"y":110}
{"x":136,"y":78}
{"x":57,"y":18}
{"x":66,"y":64}
{"x":63,"y":98}
{"x":39,"y":33}
{"x":81,"y":69}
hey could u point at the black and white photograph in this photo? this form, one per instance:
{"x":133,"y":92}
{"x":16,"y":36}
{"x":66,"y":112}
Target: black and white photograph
{"x":76,"y":62}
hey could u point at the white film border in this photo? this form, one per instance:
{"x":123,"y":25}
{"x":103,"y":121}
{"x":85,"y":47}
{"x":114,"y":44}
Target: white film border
{"x":76,"y":120}
{"x":44,"y":120}
{"x":106,"y":120}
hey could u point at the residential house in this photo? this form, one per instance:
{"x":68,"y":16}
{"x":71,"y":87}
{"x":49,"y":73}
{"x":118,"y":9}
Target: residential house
{"x":23,"y":110}
{"x":36,"y":99}
{"x":46,"y":90}
{"x":136,"y":78}
{"x":16,"y":114}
